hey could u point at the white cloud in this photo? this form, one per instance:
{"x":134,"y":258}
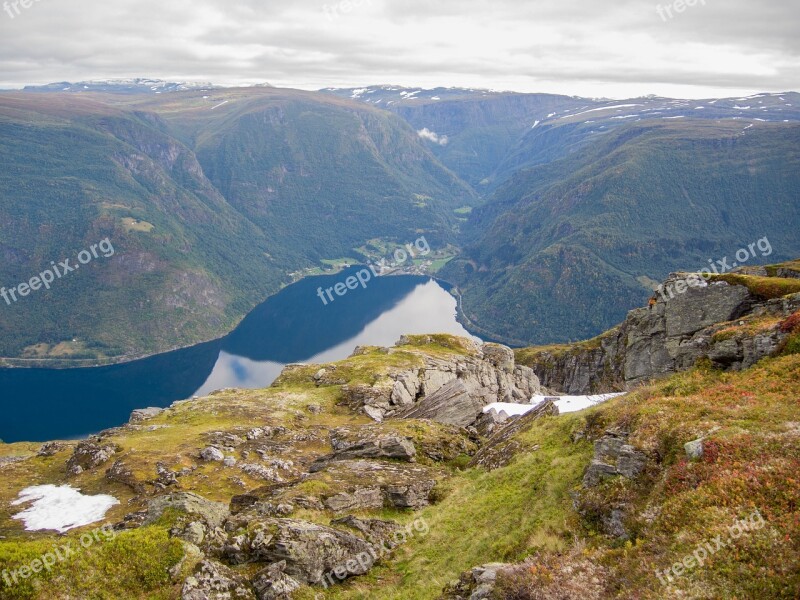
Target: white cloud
{"x":583,"y":47}
{"x":432,"y":136}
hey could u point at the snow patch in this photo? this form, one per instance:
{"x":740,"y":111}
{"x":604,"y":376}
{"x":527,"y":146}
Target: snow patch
{"x":565,"y":404}
{"x":60,"y":508}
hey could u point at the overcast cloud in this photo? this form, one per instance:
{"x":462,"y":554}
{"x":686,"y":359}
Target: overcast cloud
{"x":582,"y":47}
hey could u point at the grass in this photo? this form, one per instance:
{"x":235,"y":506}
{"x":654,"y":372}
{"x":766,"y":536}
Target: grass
{"x":764,"y":287}
{"x":521,"y":511}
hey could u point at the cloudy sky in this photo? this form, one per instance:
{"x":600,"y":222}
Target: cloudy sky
{"x":592,"y":48}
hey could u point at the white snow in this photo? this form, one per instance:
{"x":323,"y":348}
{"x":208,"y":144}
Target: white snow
{"x":565,"y":404}
{"x":220,"y":104}
{"x":60,"y":508}
{"x":535,"y":124}
{"x":603,"y":108}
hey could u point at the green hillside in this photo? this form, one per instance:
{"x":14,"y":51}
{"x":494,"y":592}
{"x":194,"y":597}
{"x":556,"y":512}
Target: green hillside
{"x":586,"y":235}
{"x":283,"y":181}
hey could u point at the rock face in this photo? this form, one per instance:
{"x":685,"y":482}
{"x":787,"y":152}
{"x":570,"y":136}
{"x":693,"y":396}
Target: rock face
{"x":449,"y":390}
{"x":307,"y":551}
{"x":614,"y":457}
{"x":386,"y":446}
{"x":668,"y":337}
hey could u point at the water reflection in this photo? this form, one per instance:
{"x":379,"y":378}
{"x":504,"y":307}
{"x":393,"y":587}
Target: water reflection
{"x":293,"y":326}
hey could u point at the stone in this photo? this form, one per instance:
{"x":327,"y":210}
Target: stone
{"x":613,"y":457}
{"x":51,"y":449}
{"x":212,"y":454}
{"x":694,"y":449}
{"x":273,"y":584}
{"x":309,"y":550}
{"x":215,"y":581}
{"x":450,"y":404}
{"x":212,"y":514}
{"x":144,"y":414}
{"x":90,"y":454}
{"x":358,"y":499}
{"x":388,"y":446}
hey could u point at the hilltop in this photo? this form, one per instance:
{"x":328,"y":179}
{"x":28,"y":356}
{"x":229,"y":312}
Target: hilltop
{"x":381,"y":476}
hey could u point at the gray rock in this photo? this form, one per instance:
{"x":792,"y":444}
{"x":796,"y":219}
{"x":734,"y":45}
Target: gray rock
{"x":309,"y":550}
{"x":90,"y":454}
{"x":694,"y":449}
{"x":212,"y":514}
{"x":51,"y":449}
{"x":214,"y":581}
{"x":612,"y":458}
{"x":669,"y":337}
{"x":273,"y":584}
{"x":450,"y":404}
{"x":212,"y":454}
{"x":143,"y":414}
{"x":386,"y":446}
{"x":359,"y":499}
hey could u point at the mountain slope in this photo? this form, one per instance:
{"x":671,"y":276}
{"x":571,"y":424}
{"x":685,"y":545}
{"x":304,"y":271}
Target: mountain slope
{"x":589,"y":234}
{"x":210,"y":203}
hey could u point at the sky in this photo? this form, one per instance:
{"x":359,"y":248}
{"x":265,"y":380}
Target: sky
{"x":592,"y":48}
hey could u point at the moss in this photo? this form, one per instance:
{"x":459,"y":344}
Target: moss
{"x":133,"y":564}
{"x":763,"y":287}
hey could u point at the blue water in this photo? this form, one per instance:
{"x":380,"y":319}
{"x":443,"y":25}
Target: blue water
{"x":293,"y":326}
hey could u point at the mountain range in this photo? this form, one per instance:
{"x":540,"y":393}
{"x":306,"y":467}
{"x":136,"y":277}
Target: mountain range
{"x":215,"y":198}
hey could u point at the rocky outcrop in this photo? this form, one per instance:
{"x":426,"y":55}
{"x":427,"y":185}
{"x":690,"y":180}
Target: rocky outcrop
{"x":450,"y":390}
{"x":90,"y":454}
{"x":386,"y":446}
{"x":503,"y":445}
{"x":679,"y":329}
{"x":613,"y":457}
{"x":476,"y":584}
{"x":215,"y":581}
{"x":307,"y":550}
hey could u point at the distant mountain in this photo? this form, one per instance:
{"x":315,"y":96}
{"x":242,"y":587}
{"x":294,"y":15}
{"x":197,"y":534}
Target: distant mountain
{"x":588,"y":234}
{"x":486,"y":136}
{"x":121,"y":86}
{"x":210,"y":198}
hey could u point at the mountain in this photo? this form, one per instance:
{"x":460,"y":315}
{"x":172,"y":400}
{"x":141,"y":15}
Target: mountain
{"x":210,"y":199}
{"x":120,"y":86}
{"x":590,"y":233}
{"x":485,"y":136}
{"x":393,"y":475}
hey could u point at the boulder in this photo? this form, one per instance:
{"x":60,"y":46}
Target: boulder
{"x":90,"y":454}
{"x":144,"y":414}
{"x":212,"y":454}
{"x":214,"y":581}
{"x":614,"y":457}
{"x":386,"y":446}
{"x":273,"y":584}
{"x":309,"y":551}
{"x":450,"y":404}
{"x":212,"y":514}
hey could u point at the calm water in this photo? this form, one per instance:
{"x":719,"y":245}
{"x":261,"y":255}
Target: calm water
{"x":293,"y":326}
